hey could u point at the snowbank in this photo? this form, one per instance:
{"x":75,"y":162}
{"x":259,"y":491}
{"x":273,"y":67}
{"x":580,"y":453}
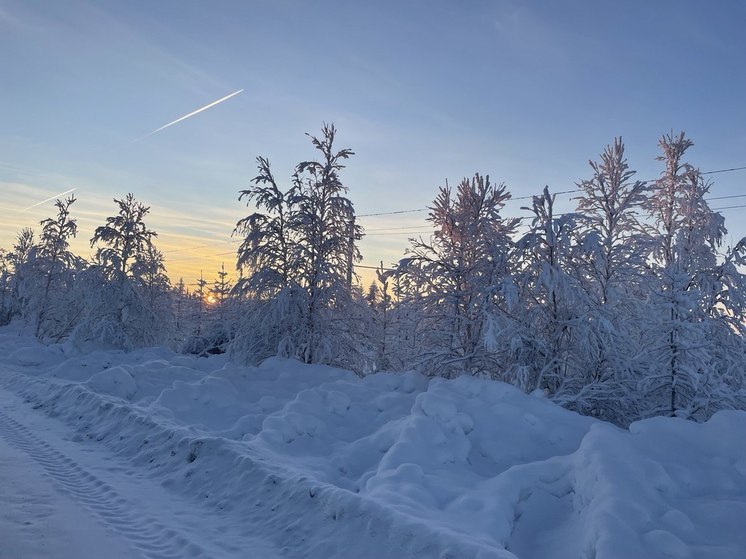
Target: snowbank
{"x":396,"y":465}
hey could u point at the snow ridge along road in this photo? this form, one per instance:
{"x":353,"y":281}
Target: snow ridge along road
{"x":230,"y":493}
{"x":155,"y":540}
{"x":169,"y":533}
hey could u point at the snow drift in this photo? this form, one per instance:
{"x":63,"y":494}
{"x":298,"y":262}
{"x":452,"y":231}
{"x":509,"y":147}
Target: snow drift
{"x":397,"y":465}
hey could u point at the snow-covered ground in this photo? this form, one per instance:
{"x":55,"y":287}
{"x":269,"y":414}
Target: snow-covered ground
{"x":38,"y":520}
{"x":63,"y":499}
{"x":175,"y":456}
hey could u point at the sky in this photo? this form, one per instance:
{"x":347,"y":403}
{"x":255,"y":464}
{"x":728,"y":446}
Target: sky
{"x":421,"y":91}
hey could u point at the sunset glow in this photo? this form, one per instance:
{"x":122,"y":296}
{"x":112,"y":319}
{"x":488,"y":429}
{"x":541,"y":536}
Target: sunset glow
{"x":397,"y":279}
{"x":411,"y":126}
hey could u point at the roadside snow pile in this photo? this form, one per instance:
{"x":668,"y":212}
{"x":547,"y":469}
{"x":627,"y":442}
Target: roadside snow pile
{"x":396,"y":465}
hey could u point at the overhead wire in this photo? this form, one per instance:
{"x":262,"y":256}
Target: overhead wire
{"x":415,"y":229}
{"x":420,"y":230}
{"x":529,"y":197}
{"x":367,"y":231}
{"x":394,"y":213}
{"x":726,"y":197}
{"x":728,"y":208}
{"x":183,"y":258}
{"x":723,"y":170}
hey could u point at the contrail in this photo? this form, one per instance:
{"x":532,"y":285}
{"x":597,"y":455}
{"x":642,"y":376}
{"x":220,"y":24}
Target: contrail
{"x":187,"y":116}
{"x":50,"y":199}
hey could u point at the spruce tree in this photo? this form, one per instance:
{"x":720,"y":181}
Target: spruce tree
{"x":55,"y":263}
{"x":296,"y":261}
{"x":127,"y":303}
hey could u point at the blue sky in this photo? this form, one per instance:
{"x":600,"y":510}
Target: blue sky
{"x":421,"y":91}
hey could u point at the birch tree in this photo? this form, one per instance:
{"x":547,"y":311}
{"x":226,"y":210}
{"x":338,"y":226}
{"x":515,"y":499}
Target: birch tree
{"x":455,"y":273}
{"x":687,"y":235}
{"x":547,"y":320}
{"x":610,"y":264}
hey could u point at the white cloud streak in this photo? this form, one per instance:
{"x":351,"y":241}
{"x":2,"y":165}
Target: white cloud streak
{"x":189,"y":115}
{"x":50,"y":199}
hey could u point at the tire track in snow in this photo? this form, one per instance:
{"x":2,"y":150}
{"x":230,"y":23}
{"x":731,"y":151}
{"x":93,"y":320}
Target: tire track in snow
{"x":146,"y":534}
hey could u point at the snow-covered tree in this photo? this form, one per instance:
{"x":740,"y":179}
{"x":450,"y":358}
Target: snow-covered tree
{"x":180,"y":297}
{"x":267,"y":287}
{"x":122,"y":289}
{"x":725,"y":301}
{"x":55,"y":264}
{"x":539,"y":342}
{"x":149,"y":274}
{"x":24,"y":247}
{"x":6,"y":283}
{"x":24,"y":282}
{"x":149,"y":271}
{"x":456,"y":274}
{"x":610,"y":264}
{"x":200,"y":300}
{"x":383,"y":328}
{"x":687,"y":235}
{"x":221,"y":292}
{"x":296,"y":261}
{"x":222,"y":311}
{"x":609,"y":209}
{"x":268,"y":253}
{"x":326,"y":240}
{"x":125,"y":238}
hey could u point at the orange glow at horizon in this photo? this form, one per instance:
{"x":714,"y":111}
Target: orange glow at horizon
{"x":193,"y":242}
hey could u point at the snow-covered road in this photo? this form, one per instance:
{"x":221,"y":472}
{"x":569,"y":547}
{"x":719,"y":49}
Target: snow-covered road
{"x":38,"y":520}
{"x":65,"y":497}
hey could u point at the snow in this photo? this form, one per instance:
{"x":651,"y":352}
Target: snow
{"x":322,"y":463}
{"x":64,"y":498}
{"x":37,"y":520}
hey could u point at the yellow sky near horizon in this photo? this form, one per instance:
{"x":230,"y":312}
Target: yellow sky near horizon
{"x":193,"y":242}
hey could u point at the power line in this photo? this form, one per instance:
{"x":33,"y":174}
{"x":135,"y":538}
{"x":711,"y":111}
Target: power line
{"x":421,"y":230}
{"x":394,"y":213}
{"x":728,"y":208}
{"x":723,"y":170}
{"x":196,"y":256}
{"x":408,"y":229}
{"x":532,"y":196}
{"x":726,"y":197}
{"x":371,"y":267}
{"x":731,"y":169}
{"x":428,"y":209}
{"x":390,"y":228}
